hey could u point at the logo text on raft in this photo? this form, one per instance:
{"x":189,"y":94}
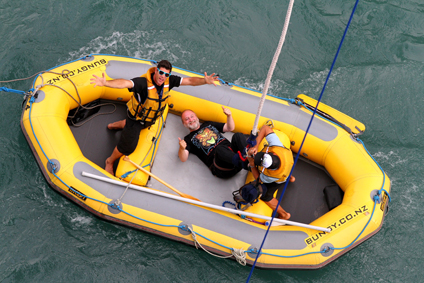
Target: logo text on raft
{"x":77,"y":193}
{"x":337,"y":224}
{"x":78,"y":71}
{"x":384,"y":201}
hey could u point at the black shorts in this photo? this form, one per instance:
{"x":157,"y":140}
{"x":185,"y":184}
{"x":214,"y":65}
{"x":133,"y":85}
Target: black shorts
{"x":129,"y":136}
{"x":223,"y":166}
{"x":271,"y":188}
{"x":223,"y":155}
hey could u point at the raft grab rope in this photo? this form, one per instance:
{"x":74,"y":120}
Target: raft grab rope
{"x":237,"y":253}
{"x":5,"y":89}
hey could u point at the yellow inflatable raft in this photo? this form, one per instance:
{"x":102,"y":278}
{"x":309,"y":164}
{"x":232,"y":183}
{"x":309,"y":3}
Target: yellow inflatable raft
{"x":71,"y":156}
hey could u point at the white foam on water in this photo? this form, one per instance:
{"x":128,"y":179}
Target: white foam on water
{"x":277,"y":87}
{"x":392,"y":158}
{"x":82,"y":220}
{"x":139,"y":44}
{"x":311,"y":86}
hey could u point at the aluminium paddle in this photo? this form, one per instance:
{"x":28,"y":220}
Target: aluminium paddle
{"x":126,"y":158}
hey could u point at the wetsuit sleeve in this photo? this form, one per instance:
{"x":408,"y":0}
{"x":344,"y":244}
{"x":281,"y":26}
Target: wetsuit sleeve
{"x":139,"y":89}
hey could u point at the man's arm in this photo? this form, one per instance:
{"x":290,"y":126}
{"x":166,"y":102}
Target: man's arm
{"x":182,"y":151}
{"x":117,"y":83}
{"x":195,"y":81}
{"x":264,"y":131}
{"x":253,"y":168}
{"x":229,"y":126}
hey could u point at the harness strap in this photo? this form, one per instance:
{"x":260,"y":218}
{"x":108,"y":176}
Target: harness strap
{"x":160,"y":99}
{"x":241,"y":156}
{"x":220,"y":168}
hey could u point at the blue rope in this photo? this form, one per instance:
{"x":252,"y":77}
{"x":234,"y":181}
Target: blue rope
{"x":123,"y":176}
{"x":376,"y":198}
{"x":229,"y":202}
{"x":5,"y":89}
{"x":306,"y":133}
{"x":384,"y":175}
{"x":31,"y":101}
{"x":314,"y":113}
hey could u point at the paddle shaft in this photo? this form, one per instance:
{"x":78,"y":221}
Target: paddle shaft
{"x":126,"y":158}
{"x":204,"y":204}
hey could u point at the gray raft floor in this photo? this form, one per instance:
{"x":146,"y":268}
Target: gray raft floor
{"x":304,"y":199}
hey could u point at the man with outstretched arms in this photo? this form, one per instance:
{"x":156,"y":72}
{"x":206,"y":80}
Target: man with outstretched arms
{"x":146,"y":105}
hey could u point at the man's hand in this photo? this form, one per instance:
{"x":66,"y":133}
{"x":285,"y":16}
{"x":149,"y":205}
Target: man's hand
{"x":229,"y":126}
{"x":183,"y":144}
{"x":252,"y":151}
{"x":182,"y":151}
{"x":98,"y":81}
{"x":211,"y":79}
{"x":226,"y":111}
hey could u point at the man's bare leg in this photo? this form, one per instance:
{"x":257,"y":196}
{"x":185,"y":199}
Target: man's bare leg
{"x":111,"y":159}
{"x":280,"y":211}
{"x":118,"y":125}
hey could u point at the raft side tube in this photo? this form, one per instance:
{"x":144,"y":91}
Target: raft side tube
{"x":334,"y":115}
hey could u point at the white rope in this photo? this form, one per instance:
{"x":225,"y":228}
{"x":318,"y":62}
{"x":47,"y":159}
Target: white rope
{"x":118,"y":201}
{"x":197,"y":245}
{"x":272,"y":67}
{"x":239,"y":254}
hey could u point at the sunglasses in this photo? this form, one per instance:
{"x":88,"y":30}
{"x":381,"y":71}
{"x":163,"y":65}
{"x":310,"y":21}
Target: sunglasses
{"x":164,"y":73}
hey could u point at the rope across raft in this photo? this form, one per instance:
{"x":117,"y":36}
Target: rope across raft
{"x":99,"y":200}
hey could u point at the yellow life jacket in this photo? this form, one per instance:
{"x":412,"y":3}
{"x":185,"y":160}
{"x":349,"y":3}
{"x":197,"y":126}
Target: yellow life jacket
{"x":155,"y":103}
{"x":286,"y":163}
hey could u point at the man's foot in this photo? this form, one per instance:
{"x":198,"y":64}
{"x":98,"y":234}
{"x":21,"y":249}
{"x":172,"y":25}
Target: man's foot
{"x":285,"y":217}
{"x":118,"y":125}
{"x":292,"y":179}
{"x":109,"y":167}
